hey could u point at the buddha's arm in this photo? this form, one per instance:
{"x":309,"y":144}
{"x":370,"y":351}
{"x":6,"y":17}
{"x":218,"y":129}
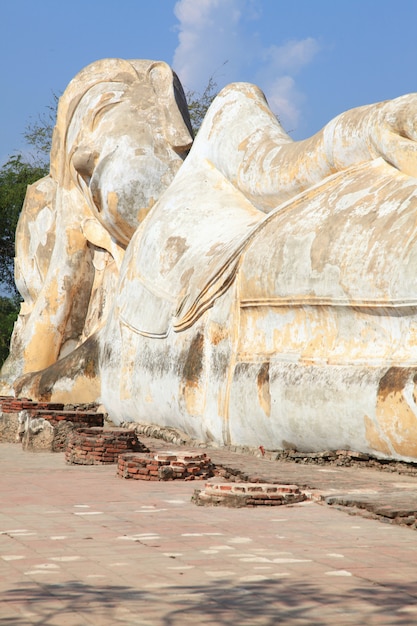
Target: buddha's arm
{"x":387,"y":130}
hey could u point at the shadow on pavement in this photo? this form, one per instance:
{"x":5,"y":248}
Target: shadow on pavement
{"x":268,"y":603}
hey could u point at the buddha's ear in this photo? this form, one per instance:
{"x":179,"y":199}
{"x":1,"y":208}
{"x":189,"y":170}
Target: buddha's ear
{"x":83,"y":160}
{"x":177,"y":126}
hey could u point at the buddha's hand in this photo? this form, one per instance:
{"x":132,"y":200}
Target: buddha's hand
{"x":392,"y":132}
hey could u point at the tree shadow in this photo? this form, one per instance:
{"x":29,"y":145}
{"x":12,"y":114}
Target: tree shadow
{"x":267,"y":602}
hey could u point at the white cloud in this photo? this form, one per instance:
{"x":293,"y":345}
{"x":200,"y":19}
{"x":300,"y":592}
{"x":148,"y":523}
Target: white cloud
{"x":283,"y":99}
{"x":212,"y":32}
{"x":276,"y":75}
{"x":209,"y":35}
{"x":291,"y":56}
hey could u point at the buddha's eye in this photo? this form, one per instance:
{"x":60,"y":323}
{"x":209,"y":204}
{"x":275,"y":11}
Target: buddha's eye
{"x":100,"y":113}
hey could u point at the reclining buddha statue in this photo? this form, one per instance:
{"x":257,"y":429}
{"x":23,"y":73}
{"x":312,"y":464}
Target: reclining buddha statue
{"x":243,"y":287}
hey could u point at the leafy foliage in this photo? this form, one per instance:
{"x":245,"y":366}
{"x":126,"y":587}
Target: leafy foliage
{"x":38,"y":134}
{"x":9,"y":309}
{"x":15,"y":176}
{"x":198,"y":103}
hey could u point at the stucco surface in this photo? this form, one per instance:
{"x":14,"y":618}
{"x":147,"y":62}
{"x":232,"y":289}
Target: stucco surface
{"x":249,"y":289}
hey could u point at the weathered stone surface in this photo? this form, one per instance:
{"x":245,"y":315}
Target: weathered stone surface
{"x":9,"y":427}
{"x":37,"y":434}
{"x":281,"y":307}
{"x":119,"y":139}
{"x":261,"y":293}
{"x":399,"y":509}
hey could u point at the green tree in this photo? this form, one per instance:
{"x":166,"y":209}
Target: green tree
{"x":9,"y":309}
{"x":38,"y":134}
{"x":15,"y":176}
{"x":198,"y":103}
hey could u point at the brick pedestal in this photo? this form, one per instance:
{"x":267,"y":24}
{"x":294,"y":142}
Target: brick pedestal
{"x":96,"y":446}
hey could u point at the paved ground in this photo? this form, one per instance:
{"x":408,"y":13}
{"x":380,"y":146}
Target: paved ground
{"x":79,"y":546}
{"x":383,"y":494}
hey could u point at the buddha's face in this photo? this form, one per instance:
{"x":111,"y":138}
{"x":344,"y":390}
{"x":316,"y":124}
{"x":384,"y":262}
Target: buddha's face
{"x":128,"y":153}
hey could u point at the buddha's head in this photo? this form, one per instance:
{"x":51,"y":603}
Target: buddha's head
{"x":123,"y":131}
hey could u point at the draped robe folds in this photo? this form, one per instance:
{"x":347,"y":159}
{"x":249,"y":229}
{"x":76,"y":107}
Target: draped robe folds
{"x":294,"y":329}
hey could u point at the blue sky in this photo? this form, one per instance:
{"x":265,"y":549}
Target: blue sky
{"x":312,"y":58}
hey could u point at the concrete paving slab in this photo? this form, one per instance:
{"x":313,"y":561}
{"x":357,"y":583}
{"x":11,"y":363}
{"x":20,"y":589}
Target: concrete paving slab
{"x":80,"y":546}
